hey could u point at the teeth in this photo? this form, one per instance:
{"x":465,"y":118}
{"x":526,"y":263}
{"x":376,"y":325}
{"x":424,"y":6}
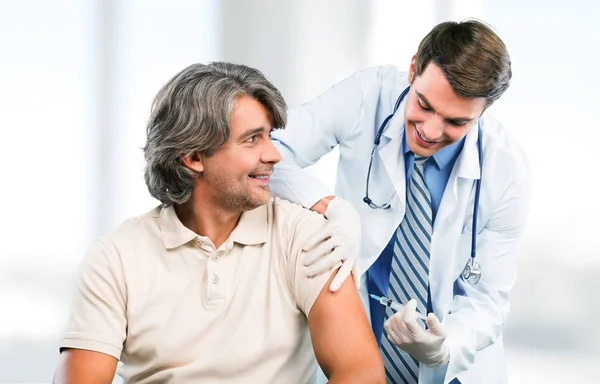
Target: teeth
{"x":259,"y":177}
{"x":424,"y":139}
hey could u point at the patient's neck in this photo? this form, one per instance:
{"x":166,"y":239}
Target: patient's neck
{"x":205,"y":218}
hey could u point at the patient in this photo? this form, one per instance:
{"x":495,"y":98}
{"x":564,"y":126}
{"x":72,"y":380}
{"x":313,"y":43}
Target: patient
{"x":211,"y":287}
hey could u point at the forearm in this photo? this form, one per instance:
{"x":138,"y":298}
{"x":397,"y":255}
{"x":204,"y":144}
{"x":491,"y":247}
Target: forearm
{"x":477,"y":316}
{"x":291,"y":182}
{"x":315,"y":128}
{"x":475,"y":324}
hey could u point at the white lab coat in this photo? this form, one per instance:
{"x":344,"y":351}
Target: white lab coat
{"x":348,"y":116}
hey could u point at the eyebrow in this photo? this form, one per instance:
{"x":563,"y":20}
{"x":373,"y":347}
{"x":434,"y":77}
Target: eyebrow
{"x":251,"y":132}
{"x":453,"y":120}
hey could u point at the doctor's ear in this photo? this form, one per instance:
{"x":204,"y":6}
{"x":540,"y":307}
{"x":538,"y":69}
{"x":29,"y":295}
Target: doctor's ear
{"x":411,"y":69}
{"x":193,"y":161}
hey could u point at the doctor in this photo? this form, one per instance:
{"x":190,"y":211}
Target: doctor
{"x":413,"y":147}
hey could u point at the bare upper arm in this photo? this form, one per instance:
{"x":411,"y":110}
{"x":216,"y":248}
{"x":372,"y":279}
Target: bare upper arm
{"x":85,"y":367}
{"x":343,"y":341}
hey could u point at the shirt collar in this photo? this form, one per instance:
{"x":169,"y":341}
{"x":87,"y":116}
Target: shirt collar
{"x":251,"y":229}
{"x":174,"y":233}
{"x":444,"y":156}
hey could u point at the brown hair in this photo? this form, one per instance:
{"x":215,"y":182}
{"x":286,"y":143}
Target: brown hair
{"x":472,"y":57}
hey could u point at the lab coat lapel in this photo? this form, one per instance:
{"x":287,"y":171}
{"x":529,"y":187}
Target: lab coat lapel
{"x":390,"y":154}
{"x":446,"y":266}
{"x":465,"y":170}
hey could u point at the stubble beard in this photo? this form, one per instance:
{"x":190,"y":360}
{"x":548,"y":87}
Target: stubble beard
{"x":234,"y":198}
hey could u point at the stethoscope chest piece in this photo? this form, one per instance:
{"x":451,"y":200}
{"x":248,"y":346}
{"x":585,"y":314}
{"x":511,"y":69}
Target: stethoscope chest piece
{"x":472,"y":272}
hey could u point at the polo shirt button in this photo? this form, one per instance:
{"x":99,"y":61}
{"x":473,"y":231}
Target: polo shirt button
{"x":215,"y":258}
{"x":215,"y":280}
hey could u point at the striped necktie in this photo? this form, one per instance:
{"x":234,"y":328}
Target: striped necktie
{"x":410,"y":269}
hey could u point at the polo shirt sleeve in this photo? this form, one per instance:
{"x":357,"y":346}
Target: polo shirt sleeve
{"x":303,"y":224}
{"x":97,"y":321}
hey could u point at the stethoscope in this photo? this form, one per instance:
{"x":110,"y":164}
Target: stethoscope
{"x":472,"y":271}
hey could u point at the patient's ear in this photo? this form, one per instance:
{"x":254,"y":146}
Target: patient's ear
{"x":193,"y":161}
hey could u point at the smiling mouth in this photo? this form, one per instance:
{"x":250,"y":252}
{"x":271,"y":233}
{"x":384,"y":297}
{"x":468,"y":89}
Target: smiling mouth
{"x":261,"y":175}
{"x":424,"y":139}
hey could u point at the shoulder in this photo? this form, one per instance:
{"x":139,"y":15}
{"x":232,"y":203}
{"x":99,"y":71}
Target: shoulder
{"x":385,"y":76}
{"x":389,"y":72}
{"x":390,"y":82}
{"x":502,"y":148}
{"x":133,"y":232}
{"x":286,"y":211}
{"x":297,"y":221}
{"x":392,"y":73}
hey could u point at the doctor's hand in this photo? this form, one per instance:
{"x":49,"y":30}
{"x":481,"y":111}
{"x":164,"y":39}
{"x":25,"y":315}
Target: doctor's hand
{"x":429,"y":346}
{"x":338,"y":241}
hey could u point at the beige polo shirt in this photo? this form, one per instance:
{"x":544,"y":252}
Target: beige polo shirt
{"x":174,"y":309}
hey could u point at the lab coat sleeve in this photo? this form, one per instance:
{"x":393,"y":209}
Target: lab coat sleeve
{"x":478,"y":312}
{"x":314,"y":129}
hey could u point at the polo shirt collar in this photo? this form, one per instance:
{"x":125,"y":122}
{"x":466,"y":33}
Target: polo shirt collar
{"x":251,"y":229}
{"x":174,"y":233}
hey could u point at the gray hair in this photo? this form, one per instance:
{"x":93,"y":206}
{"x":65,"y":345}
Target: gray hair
{"x":191,"y":114}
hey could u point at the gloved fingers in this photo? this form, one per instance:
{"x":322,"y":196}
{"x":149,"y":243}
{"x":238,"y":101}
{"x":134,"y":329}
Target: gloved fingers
{"x":410,"y":309}
{"x":396,"y":329}
{"x":435,"y":326}
{"x":397,"y":319}
{"x":392,"y":336}
{"x":390,"y":325}
{"x":320,"y":235}
{"x":410,"y":319}
{"x":317,"y":253}
{"x":341,"y":275}
{"x":326,"y":262}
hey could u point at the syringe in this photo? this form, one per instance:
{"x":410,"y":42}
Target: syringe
{"x":395,"y":306}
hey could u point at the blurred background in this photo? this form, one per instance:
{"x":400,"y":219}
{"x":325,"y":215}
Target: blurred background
{"x":76,"y":83}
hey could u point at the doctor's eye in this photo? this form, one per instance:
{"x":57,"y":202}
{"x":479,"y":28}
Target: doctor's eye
{"x":251,"y":139}
{"x":457,"y":123}
{"x":423,"y":107}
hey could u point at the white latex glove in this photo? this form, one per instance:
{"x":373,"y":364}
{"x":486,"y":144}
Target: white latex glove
{"x":338,"y":241}
{"x":429,"y":346}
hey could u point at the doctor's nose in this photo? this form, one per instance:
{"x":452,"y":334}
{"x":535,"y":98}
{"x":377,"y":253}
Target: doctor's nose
{"x":433,"y":129}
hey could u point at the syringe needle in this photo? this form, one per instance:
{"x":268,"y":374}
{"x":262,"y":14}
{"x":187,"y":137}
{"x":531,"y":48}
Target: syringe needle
{"x":394,"y":305}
